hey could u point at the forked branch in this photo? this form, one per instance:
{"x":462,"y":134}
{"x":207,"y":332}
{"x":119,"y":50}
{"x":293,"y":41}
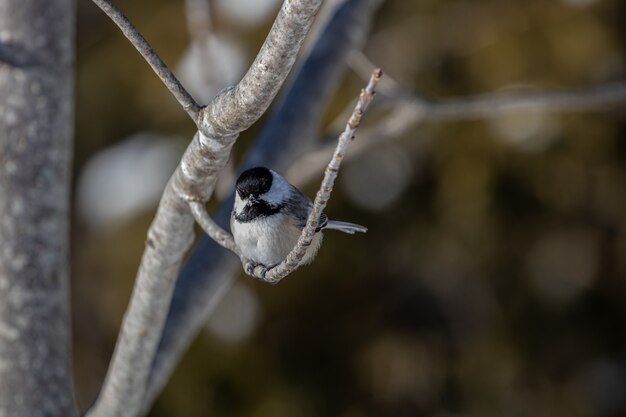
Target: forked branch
{"x":172,"y":231}
{"x":275,"y":274}
{"x":285,"y":134}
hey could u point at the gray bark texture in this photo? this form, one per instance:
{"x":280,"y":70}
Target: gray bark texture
{"x":36,"y":122}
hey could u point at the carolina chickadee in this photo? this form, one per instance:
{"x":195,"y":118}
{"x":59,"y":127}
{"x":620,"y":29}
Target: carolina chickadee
{"x":269,"y":215}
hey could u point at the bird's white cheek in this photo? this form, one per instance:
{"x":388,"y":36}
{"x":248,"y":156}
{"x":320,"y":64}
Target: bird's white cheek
{"x":239,"y":204}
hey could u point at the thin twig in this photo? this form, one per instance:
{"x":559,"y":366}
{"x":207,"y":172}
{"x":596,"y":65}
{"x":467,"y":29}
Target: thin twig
{"x":292,"y":262}
{"x":158,"y":66}
{"x":211,"y":228}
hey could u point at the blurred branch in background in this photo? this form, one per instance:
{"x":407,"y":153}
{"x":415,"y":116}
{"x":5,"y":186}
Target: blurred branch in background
{"x":591,"y":98}
{"x":171,"y":233}
{"x":289,"y":132}
{"x":203,"y":40}
{"x":405,"y":111}
{"x":198,"y":15}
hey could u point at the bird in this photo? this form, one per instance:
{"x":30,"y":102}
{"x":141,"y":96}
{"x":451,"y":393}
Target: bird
{"x":268,"y":216}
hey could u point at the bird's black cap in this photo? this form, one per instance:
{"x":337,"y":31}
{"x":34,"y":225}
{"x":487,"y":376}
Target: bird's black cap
{"x":254,"y":181}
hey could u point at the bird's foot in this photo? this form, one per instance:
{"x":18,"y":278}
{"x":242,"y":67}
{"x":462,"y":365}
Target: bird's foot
{"x":255,"y":270}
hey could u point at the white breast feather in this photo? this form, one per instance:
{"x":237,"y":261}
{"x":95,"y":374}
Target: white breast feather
{"x":268,"y":240}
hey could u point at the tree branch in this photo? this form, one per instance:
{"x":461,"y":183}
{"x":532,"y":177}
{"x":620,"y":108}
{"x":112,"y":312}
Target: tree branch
{"x":255,"y":92}
{"x":292,"y":262}
{"x":158,"y":66}
{"x":212,"y":229}
{"x":289,"y":131}
{"x":171,"y":233}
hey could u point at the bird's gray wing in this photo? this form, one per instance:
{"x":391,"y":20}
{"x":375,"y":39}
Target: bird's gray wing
{"x":301,"y":205}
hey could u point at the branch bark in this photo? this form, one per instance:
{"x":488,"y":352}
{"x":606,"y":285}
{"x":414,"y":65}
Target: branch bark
{"x":212,"y":229}
{"x":36,"y":128}
{"x":255,"y":92}
{"x":171,"y":233}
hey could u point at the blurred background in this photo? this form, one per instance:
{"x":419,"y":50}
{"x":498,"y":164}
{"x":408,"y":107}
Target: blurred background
{"x":492,"y":281}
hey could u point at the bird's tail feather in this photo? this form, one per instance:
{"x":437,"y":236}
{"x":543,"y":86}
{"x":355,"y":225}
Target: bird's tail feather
{"x":345,"y":227}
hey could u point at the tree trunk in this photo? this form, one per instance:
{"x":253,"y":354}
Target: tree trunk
{"x":36,"y":120}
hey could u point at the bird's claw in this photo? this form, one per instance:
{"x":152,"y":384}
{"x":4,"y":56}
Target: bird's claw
{"x":260,"y":271}
{"x":249,"y":268}
{"x":255,"y":270}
